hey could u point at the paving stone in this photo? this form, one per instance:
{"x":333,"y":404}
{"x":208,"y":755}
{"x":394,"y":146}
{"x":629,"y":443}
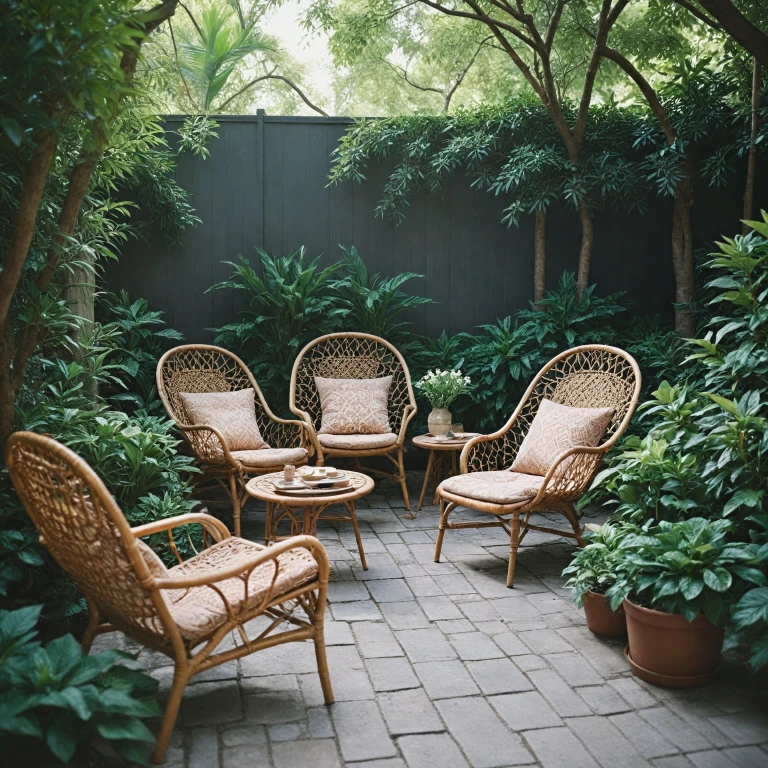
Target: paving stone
{"x":698,"y":713}
{"x":376,"y":640}
{"x":409,"y":712}
{"x":425,"y":644}
{"x":247,"y":735}
{"x":407,"y":615}
{"x":522,"y":711}
{"x":511,"y":644}
{"x":563,"y":699}
{"x":454,"y":584}
{"x":391,"y":674}
{"x":440,"y":608}
{"x":635,"y":695}
{"x":416,"y":537}
{"x":515,"y":610}
{"x":474,"y":646}
{"x":274,"y":707}
{"x":346,"y":591}
{"x":676,"y":761}
{"x":543,"y":641}
{"x":389,"y":590}
{"x":558,"y":747}
{"x":337,"y":633}
{"x":348,"y":685}
{"x":711,"y":758}
{"x":455,"y":626}
{"x":606,"y":743}
{"x":546,"y":602}
{"x":445,"y":679}
{"x":361,"y":731}
{"x":746,"y":757}
{"x":423,"y":586}
{"x":491,"y":627}
{"x":319,"y":722}
{"x":603,"y":700}
{"x":203,"y":748}
{"x":286,"y":732}
{"x":269,"y":683}
{"x":211,"y":704}
{"x":481,"y":734}
{"x":498,"y":676}
{"x":395,"y":762}
{"x":574,"y":669}
{"x":319,"y":753}
{"x":380,"y":566}
{"x":360,"y":610}
{"x":529,"y":662}
{"x":430,"y":750}
{"x":289,"y":658}
{"x":680,"y":733}
{"x":601,"y":654}
{"x":744,"y":728}
{"x":643,"y":736}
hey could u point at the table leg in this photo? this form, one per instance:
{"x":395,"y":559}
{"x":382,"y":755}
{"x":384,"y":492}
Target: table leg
{"x":268,"y":532}
{"x":427,"y":475}
{"x":438,"y":473}
{"x":351,"y":507}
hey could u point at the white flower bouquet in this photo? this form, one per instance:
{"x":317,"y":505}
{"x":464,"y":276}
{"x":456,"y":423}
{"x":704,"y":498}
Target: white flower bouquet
{"x":441,"y":388}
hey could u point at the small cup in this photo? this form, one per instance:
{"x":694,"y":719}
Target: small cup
{"x":457,"y":429}
{"x":289,"y":472}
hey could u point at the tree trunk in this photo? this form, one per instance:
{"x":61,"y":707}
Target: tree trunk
{"x":540,"y":256}
{"x":585,"y":253}
{"x":749,"y":189}
{"x":739,"y":27}
{"x":682,"y":260}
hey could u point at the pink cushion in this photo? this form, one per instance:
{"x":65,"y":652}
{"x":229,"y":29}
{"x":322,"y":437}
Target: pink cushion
{"x":498,"y":487}
{"x":271,"y":457}
{"x":232,"y":413}
{"x":354,"y":406}
{"x":557,"y":428}
{"x":357,"y":442}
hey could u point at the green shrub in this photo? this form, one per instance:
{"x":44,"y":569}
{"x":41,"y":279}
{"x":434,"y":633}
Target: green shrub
{"x":687,"y":568}
{"x":54,"y":699}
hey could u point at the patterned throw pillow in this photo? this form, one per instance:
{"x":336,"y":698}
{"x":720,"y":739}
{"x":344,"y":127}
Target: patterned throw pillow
{"x":232,"y":413}
{"x":354,"y":406}
{"x":555,"y":429}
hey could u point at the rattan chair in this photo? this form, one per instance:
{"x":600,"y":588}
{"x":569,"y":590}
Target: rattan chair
{"x":205,"y":368}
{"x":354,"y":356}
{"x":184,"y":612}
{"x":591,"y":376}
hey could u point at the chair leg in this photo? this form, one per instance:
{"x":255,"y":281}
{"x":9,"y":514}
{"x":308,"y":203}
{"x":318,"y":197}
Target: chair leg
{"x":319,"y":638}
{"x":170,"y":715}
{"x":234,"y":496}
{"x":570,"y":513}
{"x":401,"y":479}
{"x":445,"y":510}
{"x":514,"y":543}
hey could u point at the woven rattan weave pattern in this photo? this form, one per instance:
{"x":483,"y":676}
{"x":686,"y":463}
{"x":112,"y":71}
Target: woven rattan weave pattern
{"x":205,"y":368}
{"x":87,"y":534}
{"x":590,"y":376}
{"x":354,"y":356}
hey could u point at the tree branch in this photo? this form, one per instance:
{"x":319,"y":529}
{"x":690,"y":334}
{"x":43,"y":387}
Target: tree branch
{"x":271,"y":76}
{"x":699,"y":15}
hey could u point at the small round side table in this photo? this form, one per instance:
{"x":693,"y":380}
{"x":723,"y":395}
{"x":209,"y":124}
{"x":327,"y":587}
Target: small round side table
{"x":443,"y":456}
{"x":281,"y":506}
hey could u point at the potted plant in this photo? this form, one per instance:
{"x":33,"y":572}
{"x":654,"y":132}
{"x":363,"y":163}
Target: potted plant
{"x":677,"y":582}
{"x":442,"y":388}
{"x":593,"y":573}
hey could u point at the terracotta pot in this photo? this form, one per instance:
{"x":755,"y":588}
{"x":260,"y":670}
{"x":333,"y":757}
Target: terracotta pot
{"x":439,"y":421}
{"x":601,"y":619}
{"x":665,"y":649}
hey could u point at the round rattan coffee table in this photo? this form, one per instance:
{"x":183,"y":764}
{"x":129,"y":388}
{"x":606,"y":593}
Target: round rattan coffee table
{"x":443,"y":456}
{"x":281,"y":506}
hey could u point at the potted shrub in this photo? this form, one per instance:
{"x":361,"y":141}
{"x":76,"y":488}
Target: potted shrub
{"x":677,"y":582}
{"x":593,"y":572}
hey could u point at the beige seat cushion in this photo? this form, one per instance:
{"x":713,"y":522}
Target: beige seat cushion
{"x":557,"y":428}
{"x":232,"y":413}
{"x":199,"y":611}
{"x":271,"y":457}
{"x":499,"y":487}
{"x":357,"y":442}
{"x":354,"y":406}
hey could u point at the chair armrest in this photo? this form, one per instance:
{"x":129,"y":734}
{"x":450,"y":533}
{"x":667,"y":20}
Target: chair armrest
{"x":248,"y":565}
{"x":208,"y":444}
{"x":408,"y":413}
{"x":567,"y":483}
{"x":215,"y":527}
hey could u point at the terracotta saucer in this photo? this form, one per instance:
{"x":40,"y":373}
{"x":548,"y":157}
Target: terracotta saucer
{"x":669,"y":681}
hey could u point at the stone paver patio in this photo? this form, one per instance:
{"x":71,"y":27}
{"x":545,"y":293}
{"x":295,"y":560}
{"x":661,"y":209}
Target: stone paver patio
{"x":439,"y":665}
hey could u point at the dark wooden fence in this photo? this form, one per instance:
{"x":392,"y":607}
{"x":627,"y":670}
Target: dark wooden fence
{"x":265,"y":185}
